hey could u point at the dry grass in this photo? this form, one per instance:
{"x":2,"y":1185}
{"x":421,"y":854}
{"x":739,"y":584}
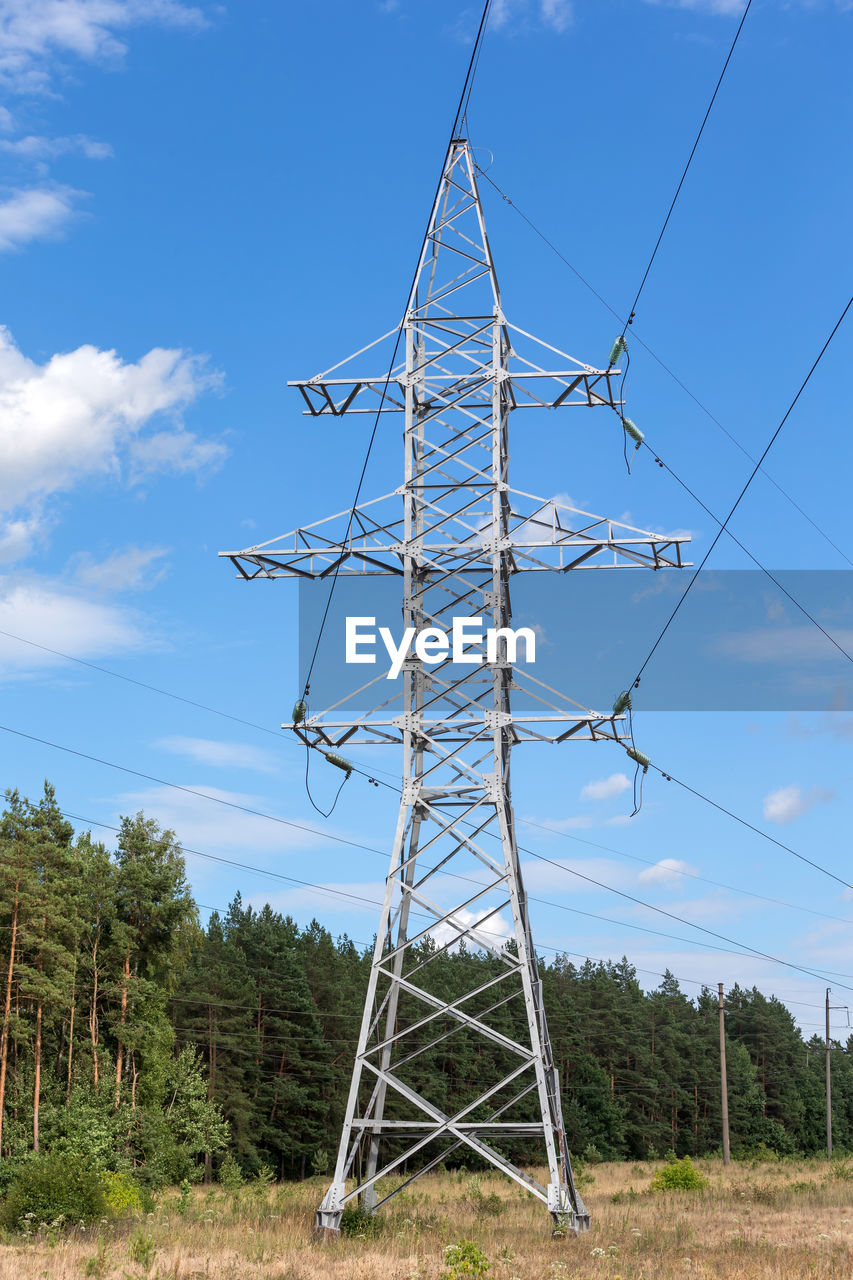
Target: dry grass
{"x":788,"y":1220}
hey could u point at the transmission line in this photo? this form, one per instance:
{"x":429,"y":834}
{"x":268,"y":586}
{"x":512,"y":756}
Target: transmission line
{"x":277,"y":875}
{"x":690,"y":875}
{"x":369,"y":849}
{"x":686,"y":168}
{"x":737,"y":502}
{"x":794,"y":601}
{"x":700,"y":795}
{"x":666,"y":368}
{"x":629,"y":897}
{"x":460,"y":108}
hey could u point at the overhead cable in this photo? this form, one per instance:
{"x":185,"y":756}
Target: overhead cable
{"x":666,"y":368}
{"x":739,"y":498}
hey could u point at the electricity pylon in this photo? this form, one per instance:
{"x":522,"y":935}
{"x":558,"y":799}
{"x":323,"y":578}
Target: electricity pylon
{"x":454,"y":534}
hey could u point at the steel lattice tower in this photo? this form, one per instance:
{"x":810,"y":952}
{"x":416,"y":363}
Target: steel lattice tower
{"x":454,"y":534}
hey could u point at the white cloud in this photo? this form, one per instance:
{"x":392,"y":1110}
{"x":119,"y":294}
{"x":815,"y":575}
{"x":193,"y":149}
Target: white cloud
{"x":495,"y":930}
{"x":214,"y":828}
{"x":734,"y":8}
{"x":35,"y":214}
{"x":543,"y":878}
{"x":606,"y":788}
{"x":556,"y":14}
{"x":36,"y":36}
{"x":36,"y":147}
{"x":510,"y":16}
{"x":789,"y":803}
{"x":668,"y":871}
{"x":134,"y":569}
{"x":75,"y":415}
{"x":724,"y":7}
{"x":562,"y":824}
{"x":19,"y":536}
{"x":222,"y":755}
{"x":793,"y":645}
{"x":52,"y":616}
{"x":178,"y":451}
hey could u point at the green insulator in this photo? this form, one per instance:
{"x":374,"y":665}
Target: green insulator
{"x":622,"y":703}
{"x":633,"y":430}
{"x":641,"y":758}
{"x":300,"y":711}
{"x":618,"y":349}
{"x":339,"y":762}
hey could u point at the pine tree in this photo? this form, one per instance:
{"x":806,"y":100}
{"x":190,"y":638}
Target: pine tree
{"x":153,"y":905}
{"x":17,"y":891}
{"x":48,"y":932}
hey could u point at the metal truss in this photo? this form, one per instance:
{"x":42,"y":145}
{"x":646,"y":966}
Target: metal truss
{"x":454,"y":533}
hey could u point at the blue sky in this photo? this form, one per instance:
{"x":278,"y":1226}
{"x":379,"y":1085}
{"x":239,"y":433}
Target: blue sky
{"x":200,"y":202}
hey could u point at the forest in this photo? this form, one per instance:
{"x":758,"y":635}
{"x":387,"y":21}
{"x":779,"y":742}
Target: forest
{"x":134,"y":1039}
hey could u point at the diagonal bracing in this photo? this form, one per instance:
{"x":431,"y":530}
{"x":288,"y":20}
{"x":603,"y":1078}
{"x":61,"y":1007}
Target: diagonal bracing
{"x":453,"y":535}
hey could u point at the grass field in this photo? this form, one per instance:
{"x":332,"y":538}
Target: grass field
{"x":788,"y":1220}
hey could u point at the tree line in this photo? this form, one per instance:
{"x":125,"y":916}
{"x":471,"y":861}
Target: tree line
{"x":133,"y":1037}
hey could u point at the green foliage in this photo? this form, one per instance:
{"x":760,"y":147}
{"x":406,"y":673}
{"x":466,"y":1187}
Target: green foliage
{"x":464,"y":1258}
{"x":679,"y":1175}
{"x":185,"y":1189}
{"x":230,"y":1174}
{"x":759,"y":1153}
{"x":488,"y":1204}
{"x":626,"y":1196}
{"x":122,"y":1195}
{"x":359,"y":1223}
{"x":227,"y":1041}
{"x":99,"y":1264}
{"x":52,"y":1186}
{"x":142,"y":1248}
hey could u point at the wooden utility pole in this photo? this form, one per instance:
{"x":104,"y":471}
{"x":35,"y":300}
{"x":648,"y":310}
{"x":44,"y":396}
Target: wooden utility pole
{"x":829,"y":1008}
{"x":724,"y":1088}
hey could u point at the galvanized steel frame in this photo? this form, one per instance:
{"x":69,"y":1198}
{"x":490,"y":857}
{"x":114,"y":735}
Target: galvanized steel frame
{"x":461,"y":536}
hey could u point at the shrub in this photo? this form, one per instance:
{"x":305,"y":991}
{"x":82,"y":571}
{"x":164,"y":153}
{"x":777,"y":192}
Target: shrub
{"x":142,"y":1248}
{"x":230,"y":1174}
{"x":679,"y":1175}
{"x":480,"y":1201}
{"x":50,"y":1187}
{"x":591,"y":1154}
{"x":358,"y":1222}
{"x":464,"y":1259}
{"x":184,"y":1189}
{"x":122,"y":1195}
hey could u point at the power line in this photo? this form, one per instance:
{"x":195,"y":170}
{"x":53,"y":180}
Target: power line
{"x":666,"y":368}
{"x":683,"y":483}
{"x":469,"y":80}
{"x":169,"y":693}
{"x":687,"y":166}
{"x":690,"y":875}
{"x":367,"y":848}
{"x":363,"y":773}
{"x":670,"y":777}
{"x":544,"y":902}
{"x":629,"y":897}
{"x":794,"y":601}
{"x":740,"y":496}
{"x":191,"y":791}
